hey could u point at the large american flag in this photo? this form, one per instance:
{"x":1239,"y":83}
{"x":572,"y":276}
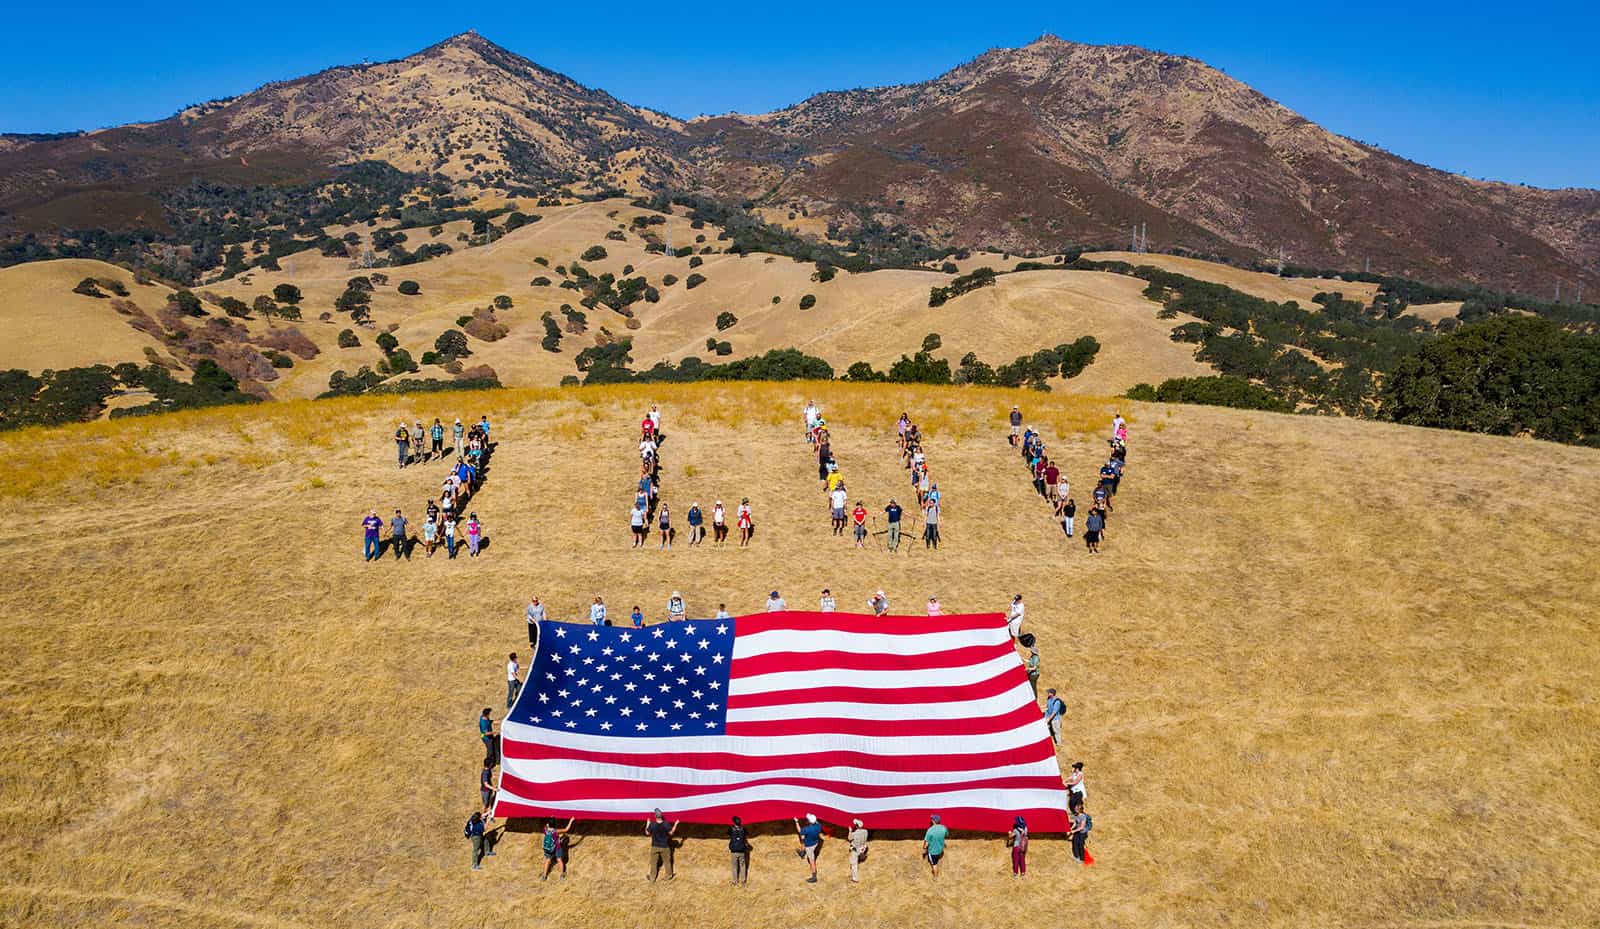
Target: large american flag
{"x":775,"y":715}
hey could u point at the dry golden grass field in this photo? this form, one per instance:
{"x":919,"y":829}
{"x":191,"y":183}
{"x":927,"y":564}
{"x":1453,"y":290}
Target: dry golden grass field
{"x":1325,"y":672}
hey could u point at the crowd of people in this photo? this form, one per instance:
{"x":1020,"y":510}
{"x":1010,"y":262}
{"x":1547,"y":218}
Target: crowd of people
{"x":649,"y":509}
{"x":442,"y":524}
{"x":1050,"y":479}
{"x":843,"y":516}
{"x":554,"y":841}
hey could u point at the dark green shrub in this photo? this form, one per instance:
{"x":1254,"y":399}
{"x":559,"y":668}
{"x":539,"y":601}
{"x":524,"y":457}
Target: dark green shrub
{"x":693,"y":281}
{"x":726,"y":320}
{"x":808,"y":301}
{"x":593,"y":253}
{"x":409,"y":288}
{"x":347,"y":339}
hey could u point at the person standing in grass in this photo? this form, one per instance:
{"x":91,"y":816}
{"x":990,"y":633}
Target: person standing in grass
{"x":418,"y":439}
{"x":858,"y":849}
{"x":1031,"y":644}
{"x":776,"y":604}
{"x":858,"y":516}
{"x":474,"y":534}
{"x":934,"y":609}
{"x":486,"y":784}
{"x":675,"y":607}
{"x":597,"y":611}
{"x":402,"y":441}
{"x":1078,"y":832}
{"x":636,"y":518}
{"x":459,"y":432}
{"x":430,"y":536}
{"x":1052,"y":478}
{"x":1014,"y":614}
{"x":372,"y":532}
{"x":1016,"y":424}
{"x":746,"y":523}
{"x":837,"y":499}
{"x":1076,"y":791}
{"x":436,"y":433}
{"x":722,"y":612}
{"x":810,"y":843}
{"x":513,"y":681}
{"x":739,"y":851}
{"x":933,"y":843}
{"x":483,"y":428}
{"x":450,"y":534}
{"x":719,"y":523}
{"x":535,"y":616}
{"x":878,"y":604}
{"x":664,"y":519}
{"x":474,"y":831}
{"x":486,"y":736}
{"x":398,"y":537}
{"x":1069,"y":513}
{"x":892,"y":512}
{"x":930,"y":524}
{"x":660,"y":845}
{"x":697,"y":529}
{"x":1094,"y":527}
{"x":637,"y":617}
{"x":1055,"y":713}
{"x":554,"y":844}
{"x":827,"y":604}
{"x":1018,"y":840}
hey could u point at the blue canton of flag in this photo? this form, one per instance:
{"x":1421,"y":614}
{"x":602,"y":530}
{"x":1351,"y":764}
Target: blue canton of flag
{"x":664,"y":680}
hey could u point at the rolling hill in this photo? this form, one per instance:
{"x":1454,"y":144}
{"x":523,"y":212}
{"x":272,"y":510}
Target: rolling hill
{"x":1029,"y":149}
{"x":1316,"y":679}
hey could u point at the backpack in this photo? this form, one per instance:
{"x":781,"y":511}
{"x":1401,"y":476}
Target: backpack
{"x":1088,"y":823}
{"x":551,"y":842}
{"x":737,"y":840}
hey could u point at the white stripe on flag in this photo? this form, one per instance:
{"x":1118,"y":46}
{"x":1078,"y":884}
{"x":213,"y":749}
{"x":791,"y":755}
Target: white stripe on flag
{"x":553,"y":769}
{"x":981,"y":708}
{"x":1009,"y":740}
{"x":995,"y":799}
{"x":933,"y":678}
{"x":795,"y":640}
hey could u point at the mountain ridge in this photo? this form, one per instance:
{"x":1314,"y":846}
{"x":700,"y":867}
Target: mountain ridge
{"x":1027,"y":149}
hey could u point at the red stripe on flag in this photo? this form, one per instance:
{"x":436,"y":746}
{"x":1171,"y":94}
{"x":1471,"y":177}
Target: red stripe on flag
{"x":727,"y":761}
{"x":893,"y":727}
{"x":893,"y":696}
{"x":773,"y":662}
{"x":864,"y":622}
{"x":616,"y":788}
{"x":1040,"y":820}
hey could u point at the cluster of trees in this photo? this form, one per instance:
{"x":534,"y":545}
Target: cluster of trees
{"x":1510,"y":375}
{"x":966,"y":283}
{"x":72,"y":395}
{"x":366,"y":381}
{"x":1221,"y":390}
{"x":608,"y":364}
{"x":1035,"y":370}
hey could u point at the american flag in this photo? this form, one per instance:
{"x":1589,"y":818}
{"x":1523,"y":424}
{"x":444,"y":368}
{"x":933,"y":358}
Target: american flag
{"x":775,"y":715}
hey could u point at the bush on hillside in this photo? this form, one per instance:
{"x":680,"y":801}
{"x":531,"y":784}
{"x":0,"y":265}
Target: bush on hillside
{"x":409,"y":288}
{"x":593,"y":253}
{"x":808,"y":301}
{"x":347,"y":339}
{"x":693,"y":281}
{"x":1221,"y":390}
{"x":726,"y":320}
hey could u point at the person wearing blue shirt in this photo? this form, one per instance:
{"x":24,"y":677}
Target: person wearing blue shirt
{"x":474,"y":831}
{"x":893,"y":511}
{"x":810,"y":842}
{"x":1055,"y":711}
{"x":933,"y":843}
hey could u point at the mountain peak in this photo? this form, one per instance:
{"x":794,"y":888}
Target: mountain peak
{"x":471,"y":40}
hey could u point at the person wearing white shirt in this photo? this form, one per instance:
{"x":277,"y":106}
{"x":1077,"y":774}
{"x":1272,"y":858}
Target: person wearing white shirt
{"x":775,"y":603}
{"x":597,"y":611}
{"x":827,"y":604}
{"x":655,"y":418}
{"x":722,"y":611}
{"x":535,"y":616}
{"x":719,"y":523}
{"x":811,"y":417}
{"x":675,"y":608}
{"x":1014,"y":616}
{"x":647,"y":449}
{"x":513,"y":682}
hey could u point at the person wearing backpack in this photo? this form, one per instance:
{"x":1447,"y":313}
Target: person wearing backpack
{"x":739,"y":851}
{"x":474,"y":831}
{"x":402,"y":441}
{"x":1018,"y":840}
{"x":555,"y":847}
{"x":1082,"y":823}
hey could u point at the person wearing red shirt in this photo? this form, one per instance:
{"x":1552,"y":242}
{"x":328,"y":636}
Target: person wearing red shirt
{"x":1051,"y":475}
{"x":859,"y":517}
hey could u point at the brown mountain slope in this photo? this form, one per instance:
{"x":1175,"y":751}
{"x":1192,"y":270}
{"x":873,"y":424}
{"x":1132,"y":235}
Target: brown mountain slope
{"x":1058,"y":141}
{"x":1034,"y":148}
{"x":464,"y":108}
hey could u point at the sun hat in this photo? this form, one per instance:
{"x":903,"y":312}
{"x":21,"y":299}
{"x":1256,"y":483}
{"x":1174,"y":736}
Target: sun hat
{"x":934,"y":817}
{"x":811,"y":817}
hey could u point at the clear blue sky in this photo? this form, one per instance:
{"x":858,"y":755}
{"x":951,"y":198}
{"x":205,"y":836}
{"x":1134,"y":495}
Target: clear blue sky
{"x":1502,"y":91}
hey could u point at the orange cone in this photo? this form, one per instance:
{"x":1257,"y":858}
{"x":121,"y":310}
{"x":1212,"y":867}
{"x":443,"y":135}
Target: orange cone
{"x":1088,"y":859}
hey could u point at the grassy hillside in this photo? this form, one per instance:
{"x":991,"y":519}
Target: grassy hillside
{"x":1323,"y":673}
{"x":873,"y":316}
